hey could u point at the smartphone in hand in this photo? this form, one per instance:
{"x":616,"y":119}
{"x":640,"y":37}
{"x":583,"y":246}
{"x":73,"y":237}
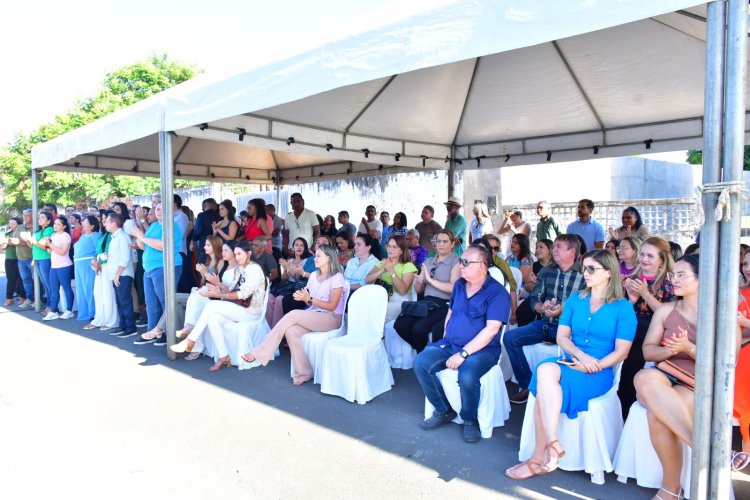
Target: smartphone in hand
{"x":565,"y":361}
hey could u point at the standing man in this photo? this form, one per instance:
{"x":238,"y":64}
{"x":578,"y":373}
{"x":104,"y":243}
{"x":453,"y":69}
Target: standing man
{"x":547,"y":228}
{"x":203,"y":227}
{"x":428,"y":228}
{"x":23,"y":253}
{"x":121,"y":271}
{"x":300,"y":223}
{"x":385,"y":218}
{"x":346,"y":225}
{"x":277,"y":234}
{"x":479,"y":305}
{"x":456,"y":223}
{"x":182,"y":222}
{"x":370,"y":225}
{"x":587,"y":227}
{"x":553,"y":286}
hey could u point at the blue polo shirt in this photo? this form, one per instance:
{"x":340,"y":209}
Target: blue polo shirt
{"x":591,"y":232}
{"x":153,"y":258}
{"x":470,"y":315}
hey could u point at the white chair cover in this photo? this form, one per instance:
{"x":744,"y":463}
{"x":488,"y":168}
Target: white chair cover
{"x":240,"y":338}
{"x":313,"y":343}
{"x":400,"y":353}
{"x":494,"y":406}
{"x":635,"y":456}
{"x":355,"y":367}
{"x":504,"y":363}
{"x":537,"y":353}
{"x":590,"y":440}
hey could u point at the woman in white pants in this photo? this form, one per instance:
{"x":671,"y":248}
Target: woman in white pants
{"x":226,"y":281}
{"x":106,"y":315}
{"x":252,"y":288}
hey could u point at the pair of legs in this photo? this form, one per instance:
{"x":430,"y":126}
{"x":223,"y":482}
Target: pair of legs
{"x":14,"y":283}
{"x":84,"y":277}
{"x":547,"y":450}
{"x":670,"y":421}
{"x":60,"y":277}
{"x":275,"y":309}
{"x":416,"y":331}
{"x":43,"y":267}
{"x":27,"y":277}
{"x":535,"y":332}
{"x":293,"y":326}
{"x":105,"y":305}
{"x":124,"y":299}
{"x":153,"y":288}
{"x":432,"y":360}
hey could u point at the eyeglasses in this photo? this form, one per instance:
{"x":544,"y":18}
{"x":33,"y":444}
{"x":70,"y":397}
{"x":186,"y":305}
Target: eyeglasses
{"x":679,"y":276}
{"x":591,"y":269}
{"x":495,"y":249}
{"x":465,"y":262}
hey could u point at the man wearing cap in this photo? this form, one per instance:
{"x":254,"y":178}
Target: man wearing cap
{"x":456,"y":223}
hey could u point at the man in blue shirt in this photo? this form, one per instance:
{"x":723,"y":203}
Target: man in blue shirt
{"x":478,"y":307}
{"x":587,"y":227}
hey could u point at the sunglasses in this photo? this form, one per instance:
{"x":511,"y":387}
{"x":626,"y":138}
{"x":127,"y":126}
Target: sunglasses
{"x":432,"y":271}
{"x":466,"y":262}
{"x":496,"y":249}
{"x":591,"y":269}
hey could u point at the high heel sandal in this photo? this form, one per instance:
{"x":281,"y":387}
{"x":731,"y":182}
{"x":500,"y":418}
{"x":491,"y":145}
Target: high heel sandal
{"x":184,"y":346}
{"x":558,"y":455}
{"x":184,"y":332}
{"x":192,"y":356}
{"x":678,"y":495}
{"x":247,"y":358}
{"x":226,"y":360}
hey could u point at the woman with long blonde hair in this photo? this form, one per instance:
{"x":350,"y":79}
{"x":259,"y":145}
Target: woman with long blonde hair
{"x":482,"y":223}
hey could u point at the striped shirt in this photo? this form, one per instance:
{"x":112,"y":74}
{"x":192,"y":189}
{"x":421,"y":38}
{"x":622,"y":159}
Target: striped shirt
{"x":552,"y":282}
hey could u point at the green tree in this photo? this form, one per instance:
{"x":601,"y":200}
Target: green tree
{"x":119,"y":89}
{"x":695,"y":157}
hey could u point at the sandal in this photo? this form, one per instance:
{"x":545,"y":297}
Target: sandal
{"x":226,"y":360}
{"x":557,"y":450}
{"x":531,"y":471}
{"x":247,"y":358}
{"x":184,"y":346}
{"x":740,"y":460}
{"x":156,"y":333}
{"x":678,"y":496}
{"x":192,"y":356}
{"x":90,"y":326}
{"x":181,"y":334}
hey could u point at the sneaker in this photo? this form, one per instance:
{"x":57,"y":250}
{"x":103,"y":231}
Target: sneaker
{"x":67,"y":315}
{"x":471,"y":433}
{"x":142,"y":341}
{"x":116,"y":331}
{"x":141,"y":324}
{"x":520,"y":397}
{"x":26,"y":303}
{"x":50,"y":316}
{"x":161,"y":341}
{"x":437,"y":420}
{"x":125,"y":335}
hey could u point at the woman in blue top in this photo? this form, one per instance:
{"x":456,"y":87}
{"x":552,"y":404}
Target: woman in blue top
{"x":596,"y":331}
{"x":85,"y":251}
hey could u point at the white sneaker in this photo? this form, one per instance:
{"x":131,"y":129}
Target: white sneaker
{"x":67,"y":315}
{"x":50,"y":316}
{"x":26,"y":303}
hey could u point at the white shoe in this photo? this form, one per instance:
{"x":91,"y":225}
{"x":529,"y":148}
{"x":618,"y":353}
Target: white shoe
{"x":50,"y":316}
{"x":67,"y":315}
{"x":26,"y":303}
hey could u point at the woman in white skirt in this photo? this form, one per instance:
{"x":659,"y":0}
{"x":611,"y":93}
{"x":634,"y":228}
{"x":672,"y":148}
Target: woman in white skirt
{"x":252,"y":289}
{"x":106,"y":316}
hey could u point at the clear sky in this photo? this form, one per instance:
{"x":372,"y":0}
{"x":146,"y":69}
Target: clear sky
{"x":53,"y":53}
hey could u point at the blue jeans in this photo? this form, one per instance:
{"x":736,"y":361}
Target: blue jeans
{"x":43,"y":267}
{"x":60,"y":277}
{"x":535,"y":332}
{"x":24,"y":269}
{"x":124,"y":299}
{"x":432,"y":360}
{"x":153,"y":289}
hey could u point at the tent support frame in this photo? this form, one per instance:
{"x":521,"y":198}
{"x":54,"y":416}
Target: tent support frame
{"x":35,"y":225}
{"x":166,"y":167}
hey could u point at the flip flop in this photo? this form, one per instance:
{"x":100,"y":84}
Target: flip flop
{"x":740,"y":460}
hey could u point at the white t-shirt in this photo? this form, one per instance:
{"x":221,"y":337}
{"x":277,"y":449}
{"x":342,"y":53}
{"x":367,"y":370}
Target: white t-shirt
{"x":376,"y":225}
{"x":301,"y":227}
{"x":182,"y":222}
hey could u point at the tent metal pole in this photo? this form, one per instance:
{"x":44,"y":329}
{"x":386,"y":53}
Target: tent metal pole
{"x":709,"y":267}
{"x":452,"y":173}
{"x":278,"y":191}
{"x":34,"y":224}
{"x":166,"y":168}
{"x":720,"y":483}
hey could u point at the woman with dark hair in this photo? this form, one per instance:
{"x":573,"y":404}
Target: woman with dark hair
{"x":119,"y":207}
{"x":627,"y":251}
{"x":40,"y":252}
{"x":595,"y":333}
{"x":363,"y":261}
{"x":75,"y":227}
{"x":611,"y":246}
{"x":14,"y":283}
{"x":346,"y":248}
{"x":397,"y":272}
{"x":61,"y":270}
{"x":632,"y":225}
{"x":520,"y":255}
{"x":258,"y":221}
{"x":294,"y":268}
{"x":328,"y":228}
{"x":675,"y":249}
{"x":227,"y":227}
{"x":106,"y":315}
{"x":85,"y":252}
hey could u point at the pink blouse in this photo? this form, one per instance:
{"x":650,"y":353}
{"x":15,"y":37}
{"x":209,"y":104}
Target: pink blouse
{"x":57,"y":260}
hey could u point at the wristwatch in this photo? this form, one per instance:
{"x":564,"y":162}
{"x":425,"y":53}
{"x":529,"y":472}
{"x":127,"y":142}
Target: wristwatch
{"x":464,"y":354}
{"x":309,"y":301}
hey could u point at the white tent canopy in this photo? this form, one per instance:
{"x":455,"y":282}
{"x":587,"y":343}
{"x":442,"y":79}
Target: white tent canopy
{"x":487,"y":83}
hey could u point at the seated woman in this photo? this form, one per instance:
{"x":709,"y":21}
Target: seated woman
{"x":669,"y":404}
{"x":346,"y":248}
{"x":596,"y":330}
{"x":632,"y":225}
{"x":611,"y":246}
{"x":294,"y":268}
{"x":397,"y":272}
{"x":627,"y":251}
{"x":435,"y":280}
{"x":216,"y":313}
{"x":417,"y":253}
{"x":362,"y":263}
{"x":326,"y":301}
{"x":520,"y":256}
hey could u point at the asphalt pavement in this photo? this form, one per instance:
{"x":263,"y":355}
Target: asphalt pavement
{"x":89,"y":416}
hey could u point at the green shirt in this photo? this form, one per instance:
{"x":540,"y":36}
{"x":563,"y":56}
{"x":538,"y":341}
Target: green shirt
{"x":39,"y":253}
{"x":10,"y":250}
{"x":548,"y":229}
{"x":458,"y":227}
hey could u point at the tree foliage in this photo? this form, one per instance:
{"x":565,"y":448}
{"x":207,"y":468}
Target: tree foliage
{"x":119,"y":89}
{"x":695,"y":157}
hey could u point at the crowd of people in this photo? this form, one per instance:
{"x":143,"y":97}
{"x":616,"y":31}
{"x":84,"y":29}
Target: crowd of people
{"x":619,"y":298}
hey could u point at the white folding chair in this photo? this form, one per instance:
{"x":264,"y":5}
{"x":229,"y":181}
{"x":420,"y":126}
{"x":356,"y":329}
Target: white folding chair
{"x":635,"y":456}
{"x":355,"y":367}
{"x":400,"y":353}
{"x":590,"y":440}
{"x":313,"y":343}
